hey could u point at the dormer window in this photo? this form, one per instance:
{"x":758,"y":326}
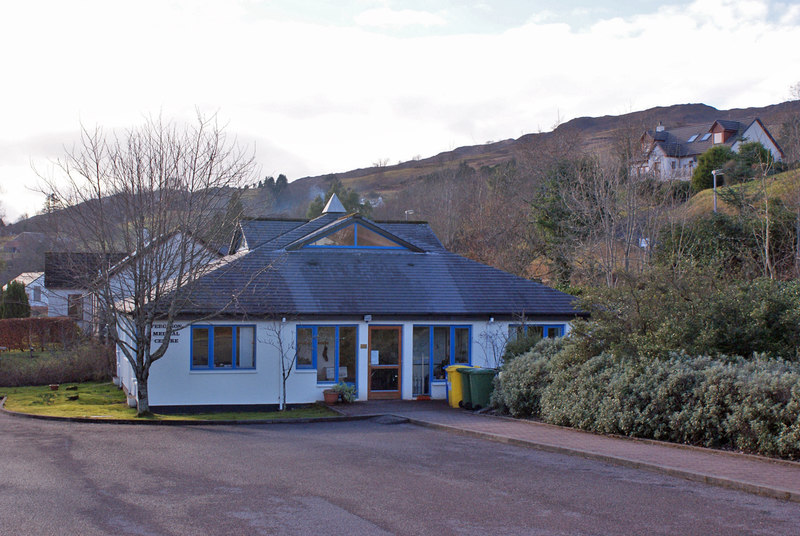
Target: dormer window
{"x":355,"y":236}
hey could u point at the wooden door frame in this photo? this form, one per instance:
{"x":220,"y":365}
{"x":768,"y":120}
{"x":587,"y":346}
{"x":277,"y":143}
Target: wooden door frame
{"x":385,"y":395}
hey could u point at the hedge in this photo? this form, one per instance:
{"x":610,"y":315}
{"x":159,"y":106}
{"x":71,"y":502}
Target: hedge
{"x":24,"y":333}
{"x":725,"y":402}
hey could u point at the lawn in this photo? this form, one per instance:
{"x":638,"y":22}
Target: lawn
{"x":105,"y":401}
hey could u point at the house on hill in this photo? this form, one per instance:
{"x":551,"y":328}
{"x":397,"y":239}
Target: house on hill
{"x":382,"y":306}
{"x":672,"y":154}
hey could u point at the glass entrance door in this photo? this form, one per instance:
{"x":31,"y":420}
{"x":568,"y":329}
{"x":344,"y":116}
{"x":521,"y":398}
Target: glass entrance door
{"x":384,"y":361}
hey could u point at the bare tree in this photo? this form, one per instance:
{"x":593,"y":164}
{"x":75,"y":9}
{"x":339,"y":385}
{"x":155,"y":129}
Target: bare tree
{"x":156,"y":193}
{"x":287,"y":352}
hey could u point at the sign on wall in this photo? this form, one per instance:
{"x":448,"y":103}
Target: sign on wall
{"x":160,"y":329}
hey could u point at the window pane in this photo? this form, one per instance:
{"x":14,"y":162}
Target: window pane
{"x":348,"y":349}
{"x":223,"y":346}
{"x":369,"y":238}
{"x":75,"y":306}
{"x":515,"y":332}
{"x":199,"y":347}
{"x":326,"y":354}
{"x":461,"y":345}
{"x":342,"y":237}
{"x":441,"y":351}
{"x":304,"y":337}
{"x":553,"y":331}
{"x":422,"y":357}
{"x":536,"y":331}
{"x":384,"y":379}
{"x":387,"y":344}
{"x":245,"y":340}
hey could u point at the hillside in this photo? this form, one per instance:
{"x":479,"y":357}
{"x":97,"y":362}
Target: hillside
{"x":583,"y":134}
{"x":588,"y":133}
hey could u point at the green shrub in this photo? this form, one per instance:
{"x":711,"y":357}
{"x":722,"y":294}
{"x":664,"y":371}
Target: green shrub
{"x":747,"y":404}
{"x":694,"y":311}
{"x":519,"y":383}
{"x":519,"y":345}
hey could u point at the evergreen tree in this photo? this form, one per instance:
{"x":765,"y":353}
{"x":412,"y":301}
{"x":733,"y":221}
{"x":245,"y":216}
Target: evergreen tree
{"x":15,"y":302}
{"x":712,"y":159}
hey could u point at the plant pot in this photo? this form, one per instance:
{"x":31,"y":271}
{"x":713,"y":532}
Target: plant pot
{"x":54,"y":387}
{"x":330,"y":396}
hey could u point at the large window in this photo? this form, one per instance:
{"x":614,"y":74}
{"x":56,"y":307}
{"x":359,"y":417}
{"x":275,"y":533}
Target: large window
{"x":436,"y":347}
{"x":331,"y":350}
{"x":223,"y":347}
{"x":535,"y":330}
{"x":355,"y":236}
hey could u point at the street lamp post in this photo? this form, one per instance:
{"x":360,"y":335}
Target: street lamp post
{"x":714,"y":173}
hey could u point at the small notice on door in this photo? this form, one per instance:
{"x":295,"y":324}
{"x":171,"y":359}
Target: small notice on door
{"x":373,"y":357}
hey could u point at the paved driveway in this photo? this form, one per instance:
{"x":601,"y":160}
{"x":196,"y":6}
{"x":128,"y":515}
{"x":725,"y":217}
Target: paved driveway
{"x":340,"y":478}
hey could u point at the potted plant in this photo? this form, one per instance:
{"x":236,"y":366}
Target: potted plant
{"x":330,"y":396}
{"x":345,"y":391}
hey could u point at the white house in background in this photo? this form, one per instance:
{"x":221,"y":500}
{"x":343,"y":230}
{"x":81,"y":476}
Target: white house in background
{"x":68,"y":278}
{"x":35,"y":289}
{"x":382,"y":306}
{"x":672,"y":154}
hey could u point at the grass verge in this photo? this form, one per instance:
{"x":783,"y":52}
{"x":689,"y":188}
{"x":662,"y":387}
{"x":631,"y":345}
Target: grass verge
{"x":103,"y":400}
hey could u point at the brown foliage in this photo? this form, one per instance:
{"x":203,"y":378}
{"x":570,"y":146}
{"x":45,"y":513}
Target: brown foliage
{"x":89,"y":361}
{"x":24,"y":333}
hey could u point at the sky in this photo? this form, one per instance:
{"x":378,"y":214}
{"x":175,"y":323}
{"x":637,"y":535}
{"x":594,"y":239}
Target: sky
{"x":316,"y":87}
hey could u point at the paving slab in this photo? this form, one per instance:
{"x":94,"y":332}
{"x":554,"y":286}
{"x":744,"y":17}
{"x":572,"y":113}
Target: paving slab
{"x":755,"y":474}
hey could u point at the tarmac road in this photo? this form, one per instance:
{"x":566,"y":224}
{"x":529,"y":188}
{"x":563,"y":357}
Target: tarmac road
{"x":340,"y":478}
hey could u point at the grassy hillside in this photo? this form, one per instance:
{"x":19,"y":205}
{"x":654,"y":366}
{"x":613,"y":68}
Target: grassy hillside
{"x":784,"y":186}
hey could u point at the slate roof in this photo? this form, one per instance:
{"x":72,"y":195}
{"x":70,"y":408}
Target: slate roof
{"x":675,"y":142}
{"x":71,"y":270}
{"x":424,"y":282}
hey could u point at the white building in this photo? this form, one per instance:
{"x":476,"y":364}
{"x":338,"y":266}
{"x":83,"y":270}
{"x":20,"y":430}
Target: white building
{"x":672,"y":154}
{"x":381,"y":306}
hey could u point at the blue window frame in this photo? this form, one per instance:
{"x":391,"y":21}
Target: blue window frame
{"x":223,"y":347}
{"x":355,"y":236}
{"x":436,"y":347}
{"x":540,"y":330}
{"x":330,"y":350}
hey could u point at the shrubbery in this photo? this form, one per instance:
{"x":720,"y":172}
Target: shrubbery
{"x":693,"y":311}
{"x":752,"y":405}
{"x":39,"y":332}
{"x":87,"y":361}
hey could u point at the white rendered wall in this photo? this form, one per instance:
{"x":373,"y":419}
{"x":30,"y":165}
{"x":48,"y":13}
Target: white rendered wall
{"x":172,"y":382}
{"x":756,"y":133}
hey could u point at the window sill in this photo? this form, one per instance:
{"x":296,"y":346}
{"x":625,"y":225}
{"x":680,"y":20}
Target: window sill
{"x":223,"y":371}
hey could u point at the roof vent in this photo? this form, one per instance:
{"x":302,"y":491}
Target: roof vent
{"x":334,"y":206}
{"x":660,"y":127}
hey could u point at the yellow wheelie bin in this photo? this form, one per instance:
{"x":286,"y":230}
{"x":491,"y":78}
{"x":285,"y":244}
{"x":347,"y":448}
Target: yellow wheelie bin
{"x":455,"y":393}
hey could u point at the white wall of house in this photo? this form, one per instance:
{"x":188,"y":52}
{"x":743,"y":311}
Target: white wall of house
{"x":174,"y":382}
{"x":756,"y":133}
{"x":58,"y":305}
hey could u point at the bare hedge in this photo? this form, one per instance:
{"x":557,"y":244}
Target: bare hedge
{"x":38,"y":332}
{"x":85,"y":361}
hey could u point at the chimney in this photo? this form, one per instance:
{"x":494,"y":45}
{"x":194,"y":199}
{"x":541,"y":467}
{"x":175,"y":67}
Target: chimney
{"x":660,"y":127}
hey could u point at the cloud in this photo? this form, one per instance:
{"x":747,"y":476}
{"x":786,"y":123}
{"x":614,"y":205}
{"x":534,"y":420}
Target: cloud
{"x":385,"y":17}
{"x":322,"y":98}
